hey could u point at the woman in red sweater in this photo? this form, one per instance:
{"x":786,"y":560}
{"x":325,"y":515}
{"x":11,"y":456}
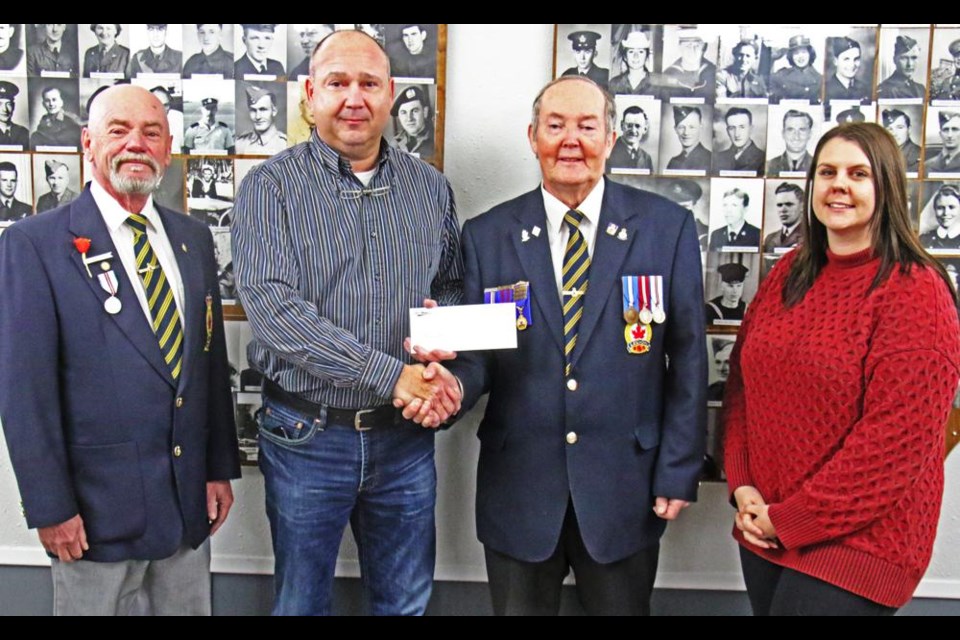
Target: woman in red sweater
{"x":835,"y":461}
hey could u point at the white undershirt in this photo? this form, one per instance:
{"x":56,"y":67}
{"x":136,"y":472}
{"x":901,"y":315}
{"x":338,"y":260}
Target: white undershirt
{"x":365,"y":176}
{"x":558,"y":233}
{"x":115,"y":216}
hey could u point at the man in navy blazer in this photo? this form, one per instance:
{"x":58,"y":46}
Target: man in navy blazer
{"x":123,"y":460}
{"x":582,"y":470}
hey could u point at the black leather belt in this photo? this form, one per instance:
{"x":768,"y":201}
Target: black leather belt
{"x":360,"y":419}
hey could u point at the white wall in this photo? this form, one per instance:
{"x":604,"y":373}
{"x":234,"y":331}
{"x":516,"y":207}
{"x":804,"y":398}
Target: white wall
{"x":493,"y":74}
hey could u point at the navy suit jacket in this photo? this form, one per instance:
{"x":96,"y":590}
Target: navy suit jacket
{"x":94,"y":421}
{"x":640,"y":425}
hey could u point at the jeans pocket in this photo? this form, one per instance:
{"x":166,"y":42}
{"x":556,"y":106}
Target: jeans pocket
{"x":288,"y":427}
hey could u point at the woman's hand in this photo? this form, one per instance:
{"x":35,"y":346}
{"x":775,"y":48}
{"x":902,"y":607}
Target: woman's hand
{"x":749,"y":503}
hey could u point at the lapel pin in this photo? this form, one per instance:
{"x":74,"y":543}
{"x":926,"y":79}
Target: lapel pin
{"x":105,"y":266}
{"x":82,"y":245}
{"x":536,"y":232}
{"x":524,"y":236}
{"x":622,"y":235}
{"x":612,"y":229}
{"x":184,"y":247}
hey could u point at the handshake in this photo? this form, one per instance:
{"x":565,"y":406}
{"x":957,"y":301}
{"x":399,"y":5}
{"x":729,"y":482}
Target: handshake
{"x":427,"y":392}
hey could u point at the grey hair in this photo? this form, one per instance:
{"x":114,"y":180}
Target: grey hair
{"x":610,"y":107}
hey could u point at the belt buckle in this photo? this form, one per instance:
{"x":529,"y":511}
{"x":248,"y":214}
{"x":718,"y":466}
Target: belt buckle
{"x":358,"y":419}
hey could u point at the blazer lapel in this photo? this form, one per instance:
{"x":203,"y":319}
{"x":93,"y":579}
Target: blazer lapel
{"x":534,"y":255}
{"x":191,"y":274}
{"x":609,"y":252}
{"x":86,"y":222}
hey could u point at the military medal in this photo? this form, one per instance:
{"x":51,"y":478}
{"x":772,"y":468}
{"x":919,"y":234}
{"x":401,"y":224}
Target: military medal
{"x":521,"y":298}
{"x":659,"y":315}
{"x":629,"y":298}
{"x":109,"y":283}
{"x":209,"y":322}
{"x":638,"y":337}
{"x":645,"y":316}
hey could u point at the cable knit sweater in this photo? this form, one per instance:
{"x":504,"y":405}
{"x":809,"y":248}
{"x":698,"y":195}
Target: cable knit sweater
{"x":835,"y":411}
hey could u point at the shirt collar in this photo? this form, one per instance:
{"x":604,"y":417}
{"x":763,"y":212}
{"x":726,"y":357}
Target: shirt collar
{"x":333,"y":162}
{"x":114,"y":215}
{"x":590,"y":207}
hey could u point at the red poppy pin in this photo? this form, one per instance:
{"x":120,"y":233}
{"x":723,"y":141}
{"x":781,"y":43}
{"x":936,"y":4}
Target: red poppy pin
{"x":83,"y":245}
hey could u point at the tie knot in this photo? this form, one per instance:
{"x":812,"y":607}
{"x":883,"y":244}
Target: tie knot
{"x":137,"y":222}
{"x":573,"y":218}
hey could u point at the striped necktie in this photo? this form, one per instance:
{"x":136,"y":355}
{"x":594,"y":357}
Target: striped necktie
{"x":576,"y":266}
{"x":163,"y":309}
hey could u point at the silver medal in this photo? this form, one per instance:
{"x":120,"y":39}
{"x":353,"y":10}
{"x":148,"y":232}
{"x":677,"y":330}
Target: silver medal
{"x":646,"y":316}
{"x":659,"y":316}
{"x":112,"y":305}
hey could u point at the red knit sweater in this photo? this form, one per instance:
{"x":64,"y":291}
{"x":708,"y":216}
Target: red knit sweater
{"x":835,"y":411}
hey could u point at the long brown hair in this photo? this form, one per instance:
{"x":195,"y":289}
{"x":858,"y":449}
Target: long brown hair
{"x":893,"y":239}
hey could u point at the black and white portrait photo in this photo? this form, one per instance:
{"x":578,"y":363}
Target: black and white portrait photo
{"x":736,"y":213}
{"x":942,"y":143}
{"x":686,"y":139}
{"x":412,"y":126}
{"x":945,"y":67}
{"x":742,"y":73}
{"x":940,"y":218}
{"x":903,"y":65}
{"x":156,"y":50}
{"x":13,"y":60}
{"x":739,"y":140}
{"x":16,"y":194}
{"x":693,"y":194}
{"x":905,"y":124}
{"x":633,"y":60}
{"x":54,"y":114}
{"x":106,"y":50}
{"x":719,"y":348}
{"x":796,"y":73}
{"x":170,"y":193}
{"x":412,"y":49}
{"x":301,"y":41}
{"x":52,"y":50}
{"x":638,"y":135}
{"x":209,"y":117}
{"x":56,"y":180}
{"x":731,"y":283}
{"x":224,"y":256}
{"x":208,"y":50}
{"x":850,"y":65}
{"x":299,"y":116}
{"x":261,"y":117}
{"x":784,"y":220}
{"x":584,"y":50}
{"x":260,"y":51}
{"x":14,"y":115}
{"x":792,"y":134}
{"x":210,"y":190}
{"x":689,"y":63}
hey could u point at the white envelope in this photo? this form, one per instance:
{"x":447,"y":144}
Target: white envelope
{"x":466,"y":327}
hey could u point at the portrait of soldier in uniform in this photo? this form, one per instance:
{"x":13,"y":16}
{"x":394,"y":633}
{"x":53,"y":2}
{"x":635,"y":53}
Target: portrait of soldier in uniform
{"x":158,"y":56}
{"x":11,"y":55}
{"x":263,"y":107}
{"x":729,"y":305}
{"x":741,"y":78}
{"x":798,"y":129}
{"x":800,"y":80}
{"x":721,"y":347}
{"x":301,"y":41}
{"x":11,"y":134}
{"x":414,"y":129}
{"x":52,"y":50}
{"x":688,"y":127}
{"x":56,"y":127}
{"x":11,"y":209}
{"x":627,"y":151}
{"x":789,"y":207}
{"x":946,"y":209}
{"x":731,"y":229}
{"x":742,"y":153}
{"x":258,"y":41}
{"x":691,"y":75}
{"x":212,"y":59}
{"x":634,"y":58}
{"x":946,"y":159}
{"x":689,"y":194}
{"x":209,"y":133}
{"x":845,"y":78}
{"x":57,"y":175}
{"x":898,"y":122}
{"x":107,"y":57}
{"x":584,"y":45}
{"x":945,"y":85}
{"x":909,"y":65}
{"x":413,"y":50}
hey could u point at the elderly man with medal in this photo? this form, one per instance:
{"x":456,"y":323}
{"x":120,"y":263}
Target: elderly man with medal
{"x":590,"y":442}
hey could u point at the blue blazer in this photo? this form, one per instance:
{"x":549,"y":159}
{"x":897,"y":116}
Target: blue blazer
{"x":640,"y":425}
{"x":94,"y":421}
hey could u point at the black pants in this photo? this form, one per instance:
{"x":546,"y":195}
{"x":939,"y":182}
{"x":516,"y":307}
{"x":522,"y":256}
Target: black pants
{"x":778,"y":591}
{"x":533,"y":588}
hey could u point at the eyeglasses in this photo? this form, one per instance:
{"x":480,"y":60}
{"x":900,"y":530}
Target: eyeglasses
{"x":356,"y":194}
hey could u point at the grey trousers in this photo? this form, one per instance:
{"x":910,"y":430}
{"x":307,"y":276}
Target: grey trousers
{"x":175,"y":586}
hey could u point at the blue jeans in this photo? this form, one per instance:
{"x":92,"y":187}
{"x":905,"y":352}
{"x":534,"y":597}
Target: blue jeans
{"x":320,"y":476}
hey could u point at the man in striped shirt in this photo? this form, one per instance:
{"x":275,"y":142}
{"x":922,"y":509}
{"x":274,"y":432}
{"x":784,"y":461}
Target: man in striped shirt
{"x":335,"y":239}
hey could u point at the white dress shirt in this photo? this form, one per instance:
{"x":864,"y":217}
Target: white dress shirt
{"x":115,"y":216}
{"x":558,"y":233}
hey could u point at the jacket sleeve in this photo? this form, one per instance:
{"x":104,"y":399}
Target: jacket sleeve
{"x":30,"y":383}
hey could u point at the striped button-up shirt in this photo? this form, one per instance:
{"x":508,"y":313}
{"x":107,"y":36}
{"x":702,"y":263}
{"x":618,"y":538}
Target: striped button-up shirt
{"x":327,"y":269}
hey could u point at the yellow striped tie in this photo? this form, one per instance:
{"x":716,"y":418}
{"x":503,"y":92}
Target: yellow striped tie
{"x":163,"y":308}
{"x":576,"y":267}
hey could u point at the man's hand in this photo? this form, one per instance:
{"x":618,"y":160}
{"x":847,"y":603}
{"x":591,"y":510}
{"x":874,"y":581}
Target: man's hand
{"x":67,"y":540}
{"x":219,"y":501}
{"x":419,"y":354}
{"x":669,"y":508}
{"x":443,"y":401}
